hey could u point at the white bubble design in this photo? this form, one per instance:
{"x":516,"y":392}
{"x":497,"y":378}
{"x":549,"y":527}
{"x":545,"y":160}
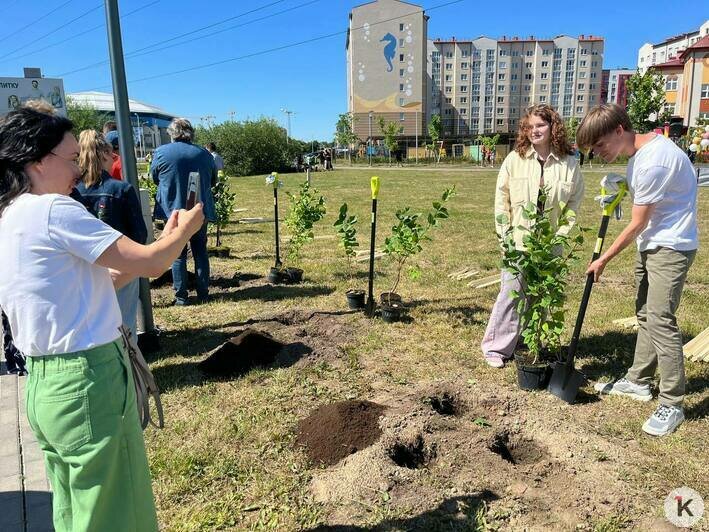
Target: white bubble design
{"x":410,"y":69}
{"x":408,"y":92}
{"x":361,"y":77}
{"x":409,"y":39}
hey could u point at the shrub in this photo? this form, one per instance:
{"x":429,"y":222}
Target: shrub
{"x":306,"y":209}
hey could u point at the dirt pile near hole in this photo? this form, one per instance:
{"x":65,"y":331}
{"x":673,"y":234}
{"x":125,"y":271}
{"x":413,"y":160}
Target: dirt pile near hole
{"x":240,"y":354}
{"x":332,"y":432}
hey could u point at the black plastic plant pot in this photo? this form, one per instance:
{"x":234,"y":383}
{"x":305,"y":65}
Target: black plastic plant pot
{"x":533,"y":376}
{"x":392,"y":312}
{"x":219,"y":251}
{"x":355,"y":299}
{"x":387,"y":298}
{"x":294,"y":275}
{"x":275,"y":276}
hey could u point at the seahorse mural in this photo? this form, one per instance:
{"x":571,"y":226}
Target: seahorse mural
{"x":389,"y":49}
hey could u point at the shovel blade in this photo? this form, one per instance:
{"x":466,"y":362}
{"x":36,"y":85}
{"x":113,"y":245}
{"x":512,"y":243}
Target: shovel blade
{"x":565,"y":382}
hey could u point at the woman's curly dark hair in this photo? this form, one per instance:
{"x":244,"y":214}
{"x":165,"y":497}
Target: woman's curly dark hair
{"x":26,"y":136}
{"x":560,"y":145}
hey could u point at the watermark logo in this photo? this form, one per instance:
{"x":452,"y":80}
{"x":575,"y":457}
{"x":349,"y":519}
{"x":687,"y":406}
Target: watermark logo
{"x":684,"y":507}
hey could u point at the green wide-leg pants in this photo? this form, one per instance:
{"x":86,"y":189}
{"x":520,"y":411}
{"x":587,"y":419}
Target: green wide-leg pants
{"x":82,"y":409}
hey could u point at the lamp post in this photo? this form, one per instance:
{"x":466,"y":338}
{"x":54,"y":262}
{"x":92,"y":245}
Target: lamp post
{"x":140,"y":137}
{"x":417,"y":137}
{"x":369,"y":141}
{"x":288,"y":113}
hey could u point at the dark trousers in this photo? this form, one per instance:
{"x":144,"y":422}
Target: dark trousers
{"x":198,"y":245}
{"x":15,"y":360}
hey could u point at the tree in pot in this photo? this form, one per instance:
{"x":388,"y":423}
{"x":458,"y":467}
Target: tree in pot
{"x":346,"y":226}
{"x":544,"y":266}
{"x":408,"y":235}
{"x":224,"y":201}
{"x":306,"y":209}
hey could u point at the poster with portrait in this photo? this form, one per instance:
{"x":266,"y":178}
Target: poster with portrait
{"x":16,"y":91}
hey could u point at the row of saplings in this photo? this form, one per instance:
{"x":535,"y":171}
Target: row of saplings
{"x":544,"y":265}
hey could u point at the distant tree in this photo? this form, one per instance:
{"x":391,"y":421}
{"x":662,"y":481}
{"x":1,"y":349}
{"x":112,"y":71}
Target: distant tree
{"x":572,"y":124}
{"x":434,"y":131}
{"x":84,"y":115}
{"x":390,"y":130}
{"x":646,"y":98}
{"x":344,"y":132}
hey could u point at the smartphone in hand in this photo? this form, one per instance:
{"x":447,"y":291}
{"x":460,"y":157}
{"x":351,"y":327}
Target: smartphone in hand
{"x":192,"y":190}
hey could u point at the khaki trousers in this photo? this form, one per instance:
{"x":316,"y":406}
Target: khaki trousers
{"x":659,"y":278}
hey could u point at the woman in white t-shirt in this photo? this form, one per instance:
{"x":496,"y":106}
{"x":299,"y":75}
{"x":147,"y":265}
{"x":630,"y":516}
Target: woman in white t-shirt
{"x":58,"y":276}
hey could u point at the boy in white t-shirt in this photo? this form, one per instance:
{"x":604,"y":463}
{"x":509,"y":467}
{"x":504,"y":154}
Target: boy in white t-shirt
{"x":663,"y":185}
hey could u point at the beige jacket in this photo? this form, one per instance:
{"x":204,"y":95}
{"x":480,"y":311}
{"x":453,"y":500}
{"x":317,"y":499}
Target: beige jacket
{"x":518,"y":185}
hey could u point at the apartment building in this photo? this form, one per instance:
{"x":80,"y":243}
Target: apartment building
{"x":650,"y":55}
{"x":613,"y":86}
{"x":484,"y":85}
{"x":477,"y":86}
{"x":387,"y":67}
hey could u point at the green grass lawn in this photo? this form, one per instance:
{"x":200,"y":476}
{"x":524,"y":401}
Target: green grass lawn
{"x":226,"y":458}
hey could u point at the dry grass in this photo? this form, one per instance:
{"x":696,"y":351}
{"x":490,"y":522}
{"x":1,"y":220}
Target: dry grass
{"x":226,"y":459}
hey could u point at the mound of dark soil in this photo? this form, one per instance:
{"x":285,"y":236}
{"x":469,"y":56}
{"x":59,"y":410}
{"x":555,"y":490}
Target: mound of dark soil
{"x":166,"y":279}
{"x":332,"y":432}
{"x":236,"y":357}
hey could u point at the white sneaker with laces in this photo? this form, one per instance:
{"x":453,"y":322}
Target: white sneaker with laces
{"x":664,"y":420}
{"x":639,"y":392}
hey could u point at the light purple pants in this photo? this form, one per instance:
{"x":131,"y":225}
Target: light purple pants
{"x":503,"y":328}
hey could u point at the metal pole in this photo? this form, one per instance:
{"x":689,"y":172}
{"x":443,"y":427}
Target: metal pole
{"x":371,"y":305}
{"x":125,"y":135}
{"x":369,"y":141}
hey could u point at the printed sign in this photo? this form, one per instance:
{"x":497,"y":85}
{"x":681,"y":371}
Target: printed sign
{"x":16,"y":91}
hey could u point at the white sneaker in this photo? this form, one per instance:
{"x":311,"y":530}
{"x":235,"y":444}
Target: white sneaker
{"x":639,"y":392}
{"x":664,"y":420}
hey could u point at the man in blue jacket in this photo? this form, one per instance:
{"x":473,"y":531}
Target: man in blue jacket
{"x":170,"y":169}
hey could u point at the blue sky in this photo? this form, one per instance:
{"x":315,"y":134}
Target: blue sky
{"x":308,"y":79}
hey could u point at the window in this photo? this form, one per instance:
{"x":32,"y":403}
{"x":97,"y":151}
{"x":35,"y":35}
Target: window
{"x":401,"y":86}
{"x":671,"y":84}
{"x":542,"y":99}
{"x":401,"y":27}
{"x":401,"y":72}
{"x":543,"y":87}
{"x":592,"y":87}
{"x":594,"y":64}
{"x":448,"y":90}
{"x":463,"y":77}
{"x":557,"y":64}
{"x":570,"y":51}
{"x":490,"y":64}
{"x":592,"y":98}
{"x":476,"y":78}
{"x":500,"y":110}
{"x":449,"y":66}
{"x":513,"y":88}
{"x":582,"y":63}
{"x":447,"y":111}
{"x":583,"y":74}
{"x":463,"y":99}
{"x":544,"y":75}
{"x":463,"y":88}
{"x":581,"y":86}
{"x":476,"y":53}
{"x":465,"y":53}
{"x":502,"y":65}
{"x":401,"y":116}
{"x":401,"y":57}
{"x":500,"y":99}
{"x":579,"y":98}
{"x":546,"y":51}
{"x":500,"y":88}
{"x":567,"y":99}
{"x":448,"y":100}
{"x":705,"y":90}
{"x":513,"y":76}
{"x":570,"y":64}
{"x":528,"y":76}
{"x":529,"y":53}
{"x":566,"y":111}
{"x":501,"y":77}
{"x":463,"y":111}
{"x":545,"y":64}
{"x":464,"y":66}
{"x":555,"y":100}
{"x":503,"y":53}
{"x":475,"y":88}
{"x":515,"y":53}
{"x":584,"y":51}
{"x":449,"y":54}
{"x":476,"y":65}
{"x":527,"y":88}
{"x":401,"y":101}
{"x":515,"y":65}
{"x":528,"y":65}
{"x":593,"y":75}
{"x":401,"y":42}
{"x":436,"y":56}
{"x":557,"y":52}
{"x":526,"y":99}
{"x":500,"y":122}
{"x":579,"y":109}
